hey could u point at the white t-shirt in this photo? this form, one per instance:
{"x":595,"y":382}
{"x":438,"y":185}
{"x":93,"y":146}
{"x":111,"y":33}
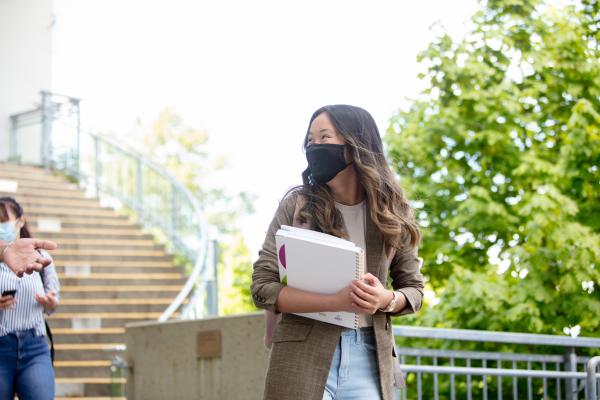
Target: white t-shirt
{"x":355,"y":221}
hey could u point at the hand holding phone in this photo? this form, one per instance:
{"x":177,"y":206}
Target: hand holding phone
{"x":8,"y":299}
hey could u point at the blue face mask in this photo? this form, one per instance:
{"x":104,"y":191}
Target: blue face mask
{"x":7,"y":231}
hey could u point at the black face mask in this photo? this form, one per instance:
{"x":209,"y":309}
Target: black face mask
{"x":325,"y":161}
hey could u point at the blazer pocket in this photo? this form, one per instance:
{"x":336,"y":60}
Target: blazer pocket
{"x":291,"y":332}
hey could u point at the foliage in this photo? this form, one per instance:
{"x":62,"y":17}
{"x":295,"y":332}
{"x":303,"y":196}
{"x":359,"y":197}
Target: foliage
{"x":501,"y":156}
{"x":182,"y":150}
{"x":234,"y":292}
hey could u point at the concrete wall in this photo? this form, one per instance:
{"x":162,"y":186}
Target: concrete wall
{"x":25,"y":58}
{"x":166,"y":363}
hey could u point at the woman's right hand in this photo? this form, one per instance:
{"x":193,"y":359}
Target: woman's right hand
{"x":6,"y":302}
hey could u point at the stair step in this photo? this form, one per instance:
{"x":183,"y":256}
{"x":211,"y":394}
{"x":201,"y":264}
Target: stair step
{"x":114,"y":264}
{"x":79,"y":364}
{"x":140,"y":282}
{"x":87,"y":387}
{"x":128,"y":294}
{"x":110,"y":308}
{"x":10,"y":166}
{"x":112,"y":302}
{"x":81,"y":242}
{"x":31,"y":193}
{"x":111,"y":252}
{"x":30,"y":176}
{"x":81,"y":222}
{"x":104,"y":319}
{"x":88,"y":346}
{"x":102,"y":335}
{"x":103,"y":381}
{"x":142,"y":276}
{"x":101,"y":331}
{"x":87,"y":371}
{"x":47,"y":185}
{"x":65,"y":211}
{"x":94,"y":233}
{"x":105,"y":315}
{"x":119,"y":268}
{"x":90,"y":398}
{"x":85,"y":203}
{"x":122,"y":288}
{"x":87,"y":354}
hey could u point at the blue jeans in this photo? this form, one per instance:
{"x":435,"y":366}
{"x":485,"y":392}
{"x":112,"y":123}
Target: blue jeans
{"x":25,"y":367}
{"x":354,"y":373}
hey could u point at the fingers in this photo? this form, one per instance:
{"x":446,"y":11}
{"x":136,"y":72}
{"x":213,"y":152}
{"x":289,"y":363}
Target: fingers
{"x":7,"y":302}
{"x":365,"y":287}
{"x":43,"y":300}
{"x":34,"y":266}
{"x":371,"y":279}
{"x":361,"y":294}
{"x":45,"y":244}
{"x":364,"y":306}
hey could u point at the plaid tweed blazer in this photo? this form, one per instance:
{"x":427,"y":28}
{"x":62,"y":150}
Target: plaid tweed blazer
{"x":303,"y":348}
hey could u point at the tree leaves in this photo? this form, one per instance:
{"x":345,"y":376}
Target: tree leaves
{"x":501,"y":158}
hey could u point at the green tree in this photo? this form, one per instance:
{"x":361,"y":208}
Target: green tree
{"x":182,"y":150}
{"x":501,"y":156}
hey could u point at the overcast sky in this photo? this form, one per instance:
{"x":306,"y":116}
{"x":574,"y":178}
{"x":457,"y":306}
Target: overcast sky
{"x":249,"y":72}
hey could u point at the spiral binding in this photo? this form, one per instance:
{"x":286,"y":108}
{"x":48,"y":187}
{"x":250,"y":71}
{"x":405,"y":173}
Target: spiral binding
{"x":357,"y":273}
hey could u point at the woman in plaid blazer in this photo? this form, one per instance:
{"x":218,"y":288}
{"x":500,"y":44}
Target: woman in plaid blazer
{"x":348,"y":191}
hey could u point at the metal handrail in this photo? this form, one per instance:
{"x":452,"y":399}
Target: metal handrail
{"x":202,"y":255}
{"x":473,"y":335}
{"x":69,"y":161}
{"x":592,"y":378}
{"x":430,"y":363}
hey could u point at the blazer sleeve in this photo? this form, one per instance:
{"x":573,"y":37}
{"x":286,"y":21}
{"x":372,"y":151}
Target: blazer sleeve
{"x":406,"y":277}
{"x":265,"y":286}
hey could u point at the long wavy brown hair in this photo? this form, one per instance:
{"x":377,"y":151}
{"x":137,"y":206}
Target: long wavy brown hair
{"x":387,"y":207}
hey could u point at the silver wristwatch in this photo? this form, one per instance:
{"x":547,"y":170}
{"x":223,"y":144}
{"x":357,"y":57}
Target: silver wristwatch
{"x":390,"y":307}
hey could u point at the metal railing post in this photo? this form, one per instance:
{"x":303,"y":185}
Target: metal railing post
{"x":215,"y":283}
{"x":97,"y":165}
{"x":139,"y":187}
{"x":12,"y":153}
{"x":210,"y":282}
{"x":592,"y":380}
{"x":77,"y":157}
{"x":174,"y":210}
{"x":46,"y":151}
{"x":571,"y":384}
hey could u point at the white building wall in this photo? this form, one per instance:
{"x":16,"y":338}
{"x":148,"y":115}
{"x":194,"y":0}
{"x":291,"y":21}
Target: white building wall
{"x":25,"y":59}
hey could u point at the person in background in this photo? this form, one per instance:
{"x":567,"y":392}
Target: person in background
{"x":25,"y":360}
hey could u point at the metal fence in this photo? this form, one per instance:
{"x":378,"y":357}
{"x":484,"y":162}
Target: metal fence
{"x":524,"y":366}
{"x":51,"y":136}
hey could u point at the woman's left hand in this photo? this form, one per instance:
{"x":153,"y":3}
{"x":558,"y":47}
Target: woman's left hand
{"x":49,"y":301}
{"x":369,"y":294}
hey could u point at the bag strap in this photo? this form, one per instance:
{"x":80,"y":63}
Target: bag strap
{"x":48,"y":331}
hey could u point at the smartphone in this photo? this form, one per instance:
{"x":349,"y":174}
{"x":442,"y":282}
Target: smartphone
{"x":9,"y":293}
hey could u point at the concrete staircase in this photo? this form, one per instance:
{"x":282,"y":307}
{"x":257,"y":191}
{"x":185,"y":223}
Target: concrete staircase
{"x":111,"y":273}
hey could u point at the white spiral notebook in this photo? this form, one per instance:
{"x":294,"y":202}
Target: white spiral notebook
{"x":320,"y":263}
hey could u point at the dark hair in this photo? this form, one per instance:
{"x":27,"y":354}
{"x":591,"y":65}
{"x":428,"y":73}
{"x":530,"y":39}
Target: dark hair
{"x":387,"y":207}
{"x":7,"y":203}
